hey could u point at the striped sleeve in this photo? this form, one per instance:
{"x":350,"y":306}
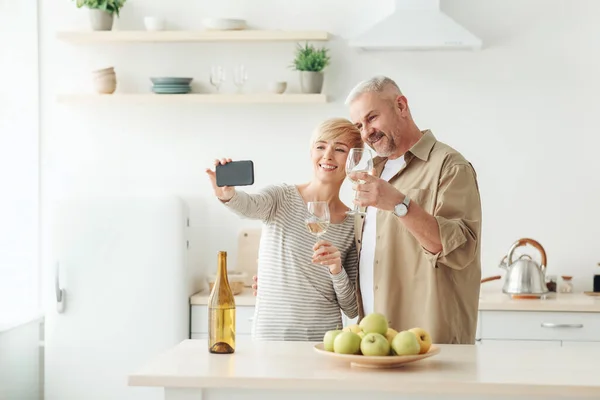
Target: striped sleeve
{"x":343,"y":284}
{"x":262,"y":205}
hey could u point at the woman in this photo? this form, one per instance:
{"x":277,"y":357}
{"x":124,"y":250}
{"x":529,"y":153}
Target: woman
{"x":303,"y":285}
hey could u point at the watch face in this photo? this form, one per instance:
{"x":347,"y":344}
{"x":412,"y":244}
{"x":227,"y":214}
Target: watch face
{"x":401,"y":210}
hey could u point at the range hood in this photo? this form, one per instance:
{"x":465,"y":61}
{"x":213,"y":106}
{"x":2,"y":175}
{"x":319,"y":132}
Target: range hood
{"x":417,"y":25}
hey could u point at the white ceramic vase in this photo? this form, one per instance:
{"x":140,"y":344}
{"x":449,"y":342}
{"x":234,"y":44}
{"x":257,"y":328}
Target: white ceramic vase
{"x":101,"y":20}
{"x":311,"y":81}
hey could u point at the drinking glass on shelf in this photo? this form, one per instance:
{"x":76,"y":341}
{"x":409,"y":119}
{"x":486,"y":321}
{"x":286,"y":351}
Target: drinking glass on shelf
{"x":240,"y":76}
{"x":359,"y":160}
{"x":317,"y":220}
{"x":217,"y":76}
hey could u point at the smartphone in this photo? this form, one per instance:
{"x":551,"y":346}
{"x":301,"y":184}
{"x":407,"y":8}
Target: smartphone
{"x":235,"y":173}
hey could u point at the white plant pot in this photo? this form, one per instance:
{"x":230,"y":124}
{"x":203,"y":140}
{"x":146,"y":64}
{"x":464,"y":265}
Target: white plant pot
{"x":311,"y":82}
{"x":101,"y":20}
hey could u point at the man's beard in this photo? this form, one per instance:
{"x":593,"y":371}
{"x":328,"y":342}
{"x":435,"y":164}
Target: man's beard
{"x":388,"y":148}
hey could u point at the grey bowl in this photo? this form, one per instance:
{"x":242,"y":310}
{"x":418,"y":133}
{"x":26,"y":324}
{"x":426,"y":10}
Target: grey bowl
{"x":167,"y":80}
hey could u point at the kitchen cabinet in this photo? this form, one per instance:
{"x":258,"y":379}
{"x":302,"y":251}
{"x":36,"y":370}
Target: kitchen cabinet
{"x":539,"y":328}
{"x":567,"y":321}
{"x":199,"y":321}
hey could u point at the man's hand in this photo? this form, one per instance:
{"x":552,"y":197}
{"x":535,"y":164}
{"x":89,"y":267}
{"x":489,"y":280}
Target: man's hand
{"x":375,"y":192}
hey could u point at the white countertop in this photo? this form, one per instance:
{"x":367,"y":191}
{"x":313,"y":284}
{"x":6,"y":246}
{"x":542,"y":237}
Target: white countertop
{"x":489,"y":301}
{"x":458,"y":369}
{"x":568,"y":302}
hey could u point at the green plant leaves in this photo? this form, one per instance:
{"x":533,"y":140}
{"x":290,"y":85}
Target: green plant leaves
{"x":110,"y":6}
{"x":310,"y":58}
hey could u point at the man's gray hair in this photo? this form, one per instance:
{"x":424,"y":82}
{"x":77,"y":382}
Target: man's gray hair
{"x":377,"y":84}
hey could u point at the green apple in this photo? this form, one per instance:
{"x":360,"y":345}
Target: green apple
{"x":352,"y":328}
{"x":374,"y":344}
{"x":374,"y":323}
{"x":405,"y":343}
{"x":390,"y":334}
{"x":329,"y":338}
{"x":347,"y":343}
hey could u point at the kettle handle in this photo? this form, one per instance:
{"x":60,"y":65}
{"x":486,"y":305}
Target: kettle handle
{"x":523,"y":242}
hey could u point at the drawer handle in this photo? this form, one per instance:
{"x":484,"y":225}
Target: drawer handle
{"x":553,"y":325}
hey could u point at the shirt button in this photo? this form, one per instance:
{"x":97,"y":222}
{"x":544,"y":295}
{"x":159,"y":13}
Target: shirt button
{"x":376,"y":261}
{"x":358,"y":240}
{"x":376,"y":287}
{"x":378,"y":236}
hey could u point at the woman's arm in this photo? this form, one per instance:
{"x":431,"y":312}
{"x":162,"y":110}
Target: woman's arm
{"x":343,"y":275}
{"x":262,"y":205}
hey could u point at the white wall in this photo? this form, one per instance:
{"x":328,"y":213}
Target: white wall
{"x":21,"y":358}
{"x":19,"y":169}
{"x":520,"y":110}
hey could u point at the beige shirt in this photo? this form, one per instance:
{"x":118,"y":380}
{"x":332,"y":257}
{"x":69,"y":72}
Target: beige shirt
{"x":413,"y":287}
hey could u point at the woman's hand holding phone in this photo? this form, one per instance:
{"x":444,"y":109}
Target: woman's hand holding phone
{"x":224,"y":193}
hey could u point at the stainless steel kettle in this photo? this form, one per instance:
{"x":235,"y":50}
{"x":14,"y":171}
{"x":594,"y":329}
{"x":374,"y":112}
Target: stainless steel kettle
{"x":524,"y":276}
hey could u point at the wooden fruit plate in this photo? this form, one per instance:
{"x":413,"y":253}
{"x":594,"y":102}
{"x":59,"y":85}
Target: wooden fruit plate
{"x":377,"y":361}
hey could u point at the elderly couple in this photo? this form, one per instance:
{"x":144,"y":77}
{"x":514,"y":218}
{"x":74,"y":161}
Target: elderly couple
{"x":414,"y":256}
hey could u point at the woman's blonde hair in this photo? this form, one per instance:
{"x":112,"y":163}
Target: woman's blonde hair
{"x":334,"y":128}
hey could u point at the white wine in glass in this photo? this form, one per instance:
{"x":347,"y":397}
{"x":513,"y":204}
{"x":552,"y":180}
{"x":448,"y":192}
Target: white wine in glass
{"x":359,"y":160}
{"x":318,"y":218}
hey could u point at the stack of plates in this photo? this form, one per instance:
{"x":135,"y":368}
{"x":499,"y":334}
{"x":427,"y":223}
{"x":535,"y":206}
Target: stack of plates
{"x":171,"y":85}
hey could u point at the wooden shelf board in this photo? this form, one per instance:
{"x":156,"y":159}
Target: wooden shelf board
{"x":247,"y":35}
{"x":266,"y":98}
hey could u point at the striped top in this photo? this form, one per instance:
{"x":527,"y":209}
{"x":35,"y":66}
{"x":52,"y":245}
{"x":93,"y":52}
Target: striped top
{"x":296,"y":299}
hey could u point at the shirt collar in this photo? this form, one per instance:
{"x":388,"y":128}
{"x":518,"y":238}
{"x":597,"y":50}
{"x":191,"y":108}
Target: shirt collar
{"x":421,"y":149}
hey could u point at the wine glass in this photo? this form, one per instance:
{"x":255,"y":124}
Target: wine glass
{"x":359,"y":160}
{"x":217,"y":76}
{"x":318,"y":218}
{"x":240,"y":76}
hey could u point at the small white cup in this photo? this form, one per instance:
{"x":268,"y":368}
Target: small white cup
{"x":154,"y":23}
{"x":277,"y":87}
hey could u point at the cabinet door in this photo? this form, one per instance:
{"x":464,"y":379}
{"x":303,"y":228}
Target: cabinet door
{"x":540,"y":325}
{"x":243,"y":319}
{"x":520,"y":343}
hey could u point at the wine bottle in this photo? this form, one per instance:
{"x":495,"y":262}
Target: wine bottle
{"x":221,"y":312}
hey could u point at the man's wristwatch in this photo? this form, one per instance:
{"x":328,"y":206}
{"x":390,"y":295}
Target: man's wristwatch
{"x":401,"y":209}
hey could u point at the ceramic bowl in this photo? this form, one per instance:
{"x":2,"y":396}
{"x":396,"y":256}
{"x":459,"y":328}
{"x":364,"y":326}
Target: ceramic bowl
{"x":104,"y":71}
{"x":154,"y":23}
{"x":171,"y":80}
{"x":105,"y":86}
{"x":224,"y":24}
{"x":277,"y":87}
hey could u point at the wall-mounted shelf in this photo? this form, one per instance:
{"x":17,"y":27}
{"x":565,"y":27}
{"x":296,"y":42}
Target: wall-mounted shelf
{"x":247,"y":35}
{"x":151,"y":98}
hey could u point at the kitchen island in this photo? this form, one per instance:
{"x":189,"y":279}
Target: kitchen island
{"x":294,"y":371}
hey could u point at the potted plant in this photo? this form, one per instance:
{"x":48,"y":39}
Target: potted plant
{"x":311,"y":62}
{"x":102,"y":12}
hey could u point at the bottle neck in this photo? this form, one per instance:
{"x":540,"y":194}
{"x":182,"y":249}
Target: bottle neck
{"x":222,"y":267}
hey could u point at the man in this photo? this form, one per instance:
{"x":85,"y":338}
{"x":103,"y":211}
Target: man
{"x":419,"y":242}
